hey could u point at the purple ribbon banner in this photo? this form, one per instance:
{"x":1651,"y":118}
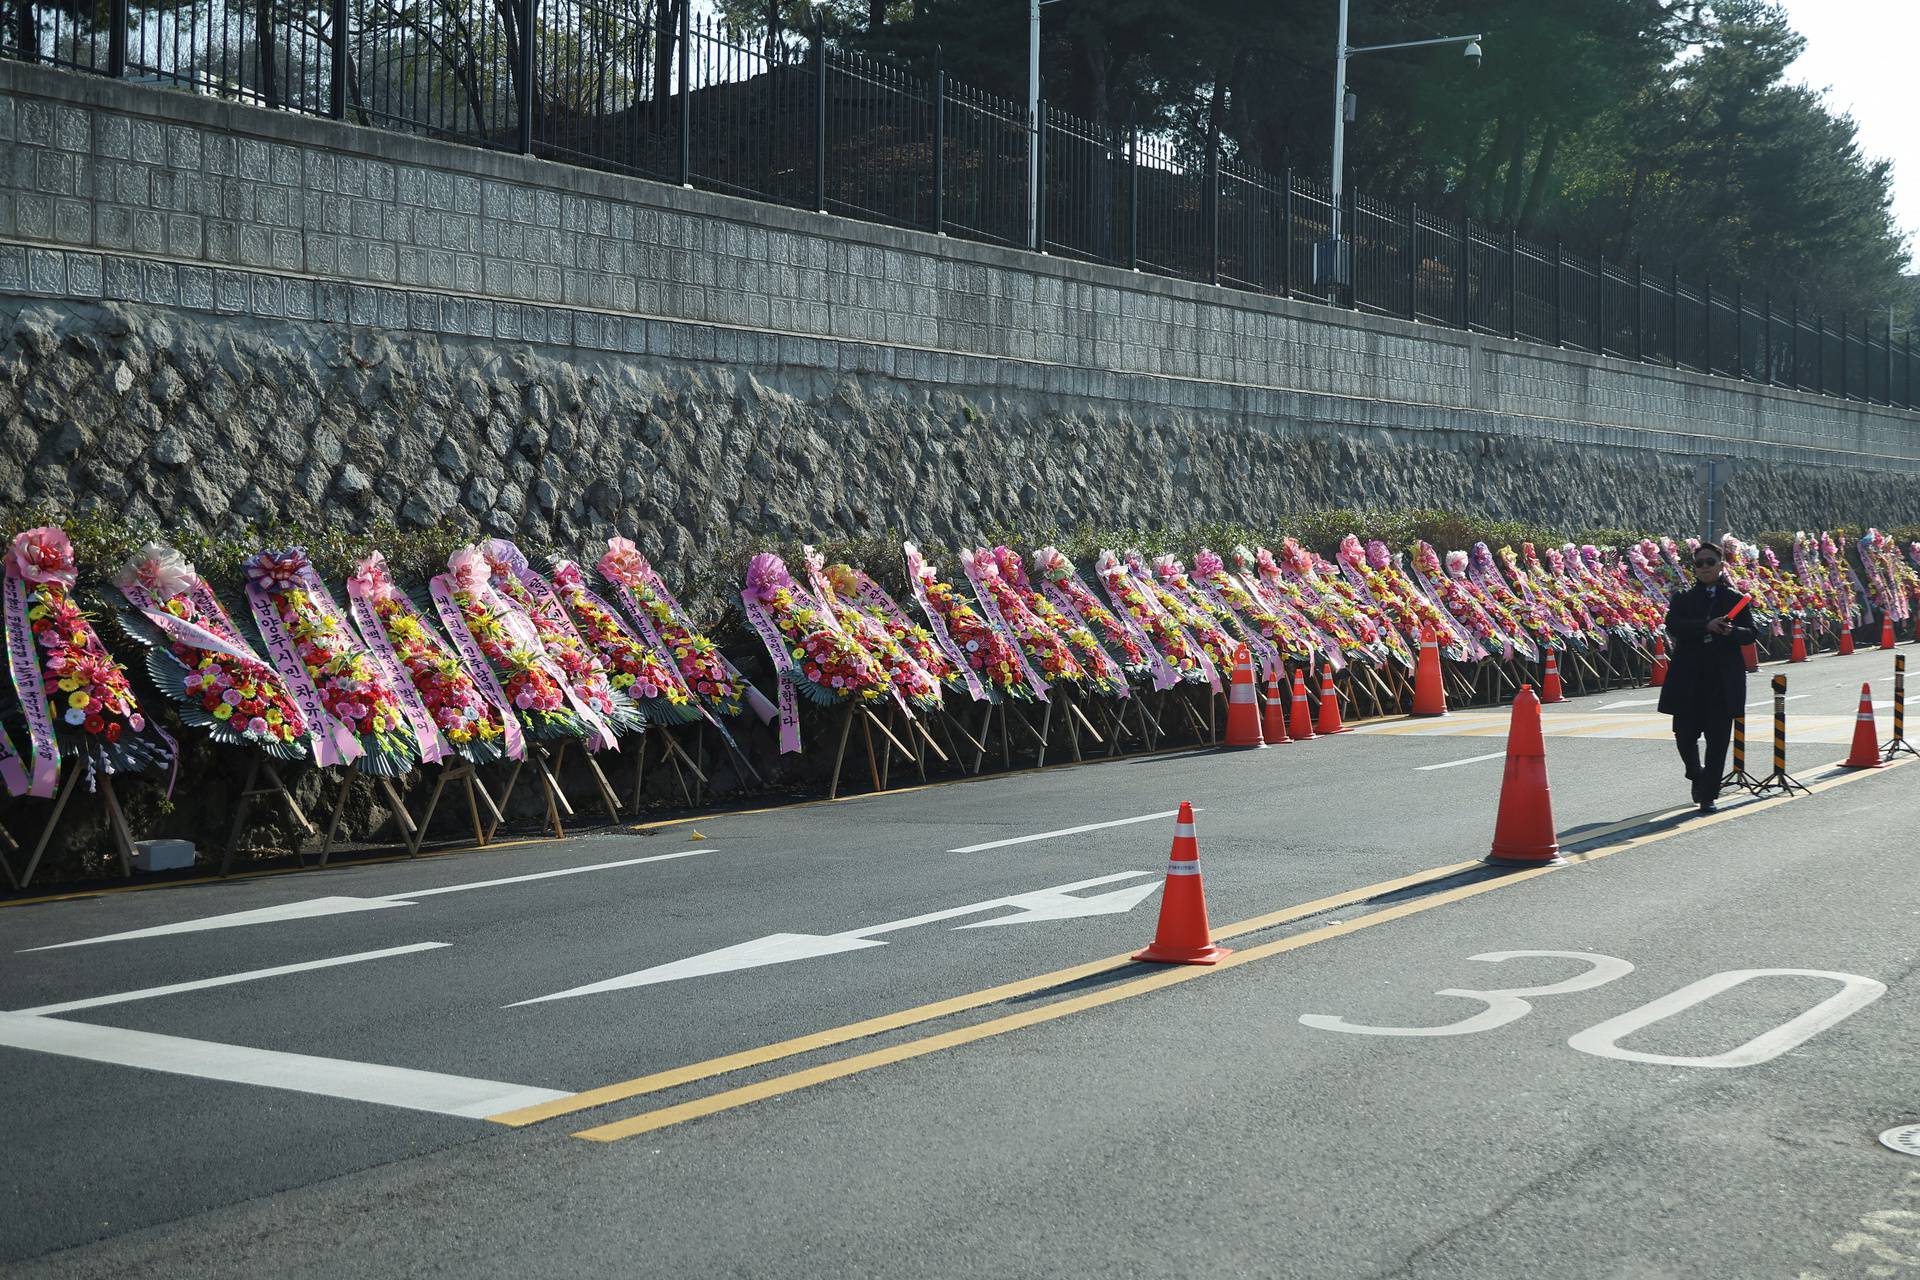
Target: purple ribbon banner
{"x":440,"y":590}
{"x":333,"y":743}
{"x":23,"y":660}
{"x":783,"y":666}
{"x":433,"y":748}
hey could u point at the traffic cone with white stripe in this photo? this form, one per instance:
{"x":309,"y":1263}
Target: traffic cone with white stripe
{"x":1886,"y":631}
{"x":1243,"y":709}
{"x":1329,"y":705}
{"x":1274,"y":726}
{"x":1866,"y":740}
{"x":1183,"y":935}
{"x":1550,"y":684}
{"x":1429,"y":691}
{"x":1799,"y":652}
{"x":1846,"y":642}
{"x":1523,"y":833}
{"x":1302,"y":725}
{"x":1659,"y":662}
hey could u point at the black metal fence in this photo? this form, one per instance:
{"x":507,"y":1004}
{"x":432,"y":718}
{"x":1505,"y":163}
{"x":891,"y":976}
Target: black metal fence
{"x":645,"y":87}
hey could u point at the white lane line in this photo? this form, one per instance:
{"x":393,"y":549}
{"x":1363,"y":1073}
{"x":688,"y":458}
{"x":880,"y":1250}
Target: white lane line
{"x":1068,"y":831}
{"x":311,"y":908}
{"x":1494,"y":755}
{"x":1630,"y":702}
{"x":227,"y":980}
{"x":329,"y":1077}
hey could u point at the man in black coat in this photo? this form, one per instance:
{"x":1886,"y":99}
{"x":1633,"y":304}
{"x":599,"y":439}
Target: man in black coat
{"x":1707,"y":679}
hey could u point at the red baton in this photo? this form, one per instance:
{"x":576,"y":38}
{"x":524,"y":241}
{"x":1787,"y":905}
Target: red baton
{"x":1735,"y":611}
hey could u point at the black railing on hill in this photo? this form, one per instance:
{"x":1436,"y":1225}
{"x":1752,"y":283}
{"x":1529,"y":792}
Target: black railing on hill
{"x":787,"y":119}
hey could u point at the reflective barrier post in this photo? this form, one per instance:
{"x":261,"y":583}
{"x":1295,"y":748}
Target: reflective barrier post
{"x":1898,"y":742}
{"x":1740,"y":777}
{"x":1779,"y":780}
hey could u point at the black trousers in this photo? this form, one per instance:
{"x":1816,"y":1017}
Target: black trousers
{"x":1706,"y":773}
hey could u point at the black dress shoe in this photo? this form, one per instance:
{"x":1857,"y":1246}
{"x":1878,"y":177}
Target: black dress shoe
{"x":1708,"y":806}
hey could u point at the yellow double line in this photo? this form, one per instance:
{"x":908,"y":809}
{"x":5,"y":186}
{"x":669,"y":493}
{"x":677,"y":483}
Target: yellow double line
{"x":729,"y":1099}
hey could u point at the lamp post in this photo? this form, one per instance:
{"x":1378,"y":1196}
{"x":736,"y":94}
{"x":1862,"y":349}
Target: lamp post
{"x":1033,"y":120}
{"x":1334,"y":270}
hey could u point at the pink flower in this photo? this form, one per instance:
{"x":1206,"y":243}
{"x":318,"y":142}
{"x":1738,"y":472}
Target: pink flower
{"x":470,"y":569}
{"x":503,"y":556}
{"x":373,"y":577}
{"x":277,"y":571}
{"x":1009,"y":564}
{"x":1052,"y":565}
{"x":623,"y":562}
{"x":1377,"y":554}
{"x":256,"y":725}
{"x":1206,"y":564}
{"x":766,"y":574}
{"x":42,"y":555}
{"x":159,"y":569}
{"x":566,"y":574}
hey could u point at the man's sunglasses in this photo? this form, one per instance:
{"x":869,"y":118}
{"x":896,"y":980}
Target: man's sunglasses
{"x":1705,"y":564}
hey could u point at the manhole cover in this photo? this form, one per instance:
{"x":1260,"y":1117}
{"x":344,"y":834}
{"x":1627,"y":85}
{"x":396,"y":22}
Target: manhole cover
{"x":1905,"y":1139}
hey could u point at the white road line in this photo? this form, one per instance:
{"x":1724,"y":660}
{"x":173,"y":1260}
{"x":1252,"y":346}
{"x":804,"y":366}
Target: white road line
{"x":1067,"y":831}
{"x":227,"y":980}
{"x":1630,"y":702}
{"x":329,"y":1077}
{"x":312,"y":908}
{"x":1494,"y":755}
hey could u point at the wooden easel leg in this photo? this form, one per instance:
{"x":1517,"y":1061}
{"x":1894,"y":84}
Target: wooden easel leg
{"x":555,"y":797}
{"x":840,"y":754}
{"x":550,"y":769}
{"x":122,"y":838}
{"x":506,"y":798}
{"x":640,"y":766}
{"x":401,"y":817}
{"x":240,"y":807}
{"x":1046,"y":727}
{"x":13,"y":846}
{"x":866,"y":734}
{"x":53,"y":820}
{"x":419,"y":832}
{"x":339,"y":809}
{"x":1006,"y":735}
{"x":607,"y":799}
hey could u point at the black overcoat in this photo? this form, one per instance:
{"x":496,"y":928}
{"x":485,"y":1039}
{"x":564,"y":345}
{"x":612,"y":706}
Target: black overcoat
{"x":1707,"y":676}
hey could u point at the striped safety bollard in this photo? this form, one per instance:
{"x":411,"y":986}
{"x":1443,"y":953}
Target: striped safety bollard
{"x":1740,"y":777}
{"x":1898,"y":742}
{"x":1779,"y":780}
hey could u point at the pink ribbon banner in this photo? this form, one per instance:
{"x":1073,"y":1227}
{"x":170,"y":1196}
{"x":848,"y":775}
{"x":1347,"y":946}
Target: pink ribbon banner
{"x":1263,"y":649}
{"x":333,"y":743}
{"x":875,"y":598}
{"x":23,"y":660}
{"x":440,"y":590}
{"x":783,"y":666}
{"x":178,"y":629}
{"x":998,"y":621}
{"x":433,"y":747}
{"x":548,"y":603}
{"x":756,"y":701}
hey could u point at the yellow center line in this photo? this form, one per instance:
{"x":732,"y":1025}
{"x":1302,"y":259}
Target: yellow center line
{"x":729,"y":1099}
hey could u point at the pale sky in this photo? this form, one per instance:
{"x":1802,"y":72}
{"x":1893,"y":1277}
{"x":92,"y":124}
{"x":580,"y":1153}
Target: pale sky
{"x":1861,"y":52}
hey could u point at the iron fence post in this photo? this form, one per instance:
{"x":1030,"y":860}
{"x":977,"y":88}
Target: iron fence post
{"x":819,"y":117}
{"x":1287,"y":237}
{"x":1555,"y":293}
{"x":939,"y":145}
{"x":1353,"y":272}
{"x":1793,"y":345}
{"x":1819,"y":354}
{"x":1889,"y":359}
{"x":1844,"y":395}
{"x":26,"y":34}
{"x":1462,"y":296}
{"x":1040,"y":178}
{"x":1213,"y":208}
{"x":1766,"y":340}
{"x":337,"y":73}
{"x":1133,"y":198}
{"x":1413,"y":261}
{"x":1906,"y":360}
{"x":1739,"y":334}
{"x":686,"y":93}
{"x":116,"y":38}
{"x":1639,"y":309}
{"x":528,"y":60}
{"x":1600,"y":305}
{"x":1513,"y":284}
{"x":1673,"y":302}
{"x":1706,"y":321}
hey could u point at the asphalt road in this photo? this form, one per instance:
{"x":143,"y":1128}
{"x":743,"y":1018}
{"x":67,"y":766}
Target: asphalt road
{"x":308,"y":1094}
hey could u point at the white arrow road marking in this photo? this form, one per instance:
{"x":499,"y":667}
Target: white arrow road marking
{"x":227,"y":980}
{"x":330,"y":1077}
{"x":780,"y":948}
{"x":1068,"y":831}
{"x":312,"y":908}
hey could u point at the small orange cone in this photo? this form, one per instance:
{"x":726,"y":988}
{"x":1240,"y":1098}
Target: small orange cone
{"x":1329,"y":705}
{"x":1523,"y":832}
{"x":1866,"y":742}
{"x":1274,"y":724}
{"x":1429,"y":694}
{"x":1243,"y":707}
{"x":1659,"y":662}
{"x":1183,"y":936}
{"x":1302,"y":726}
{"x":1846,"y":642}
{"x":1550,"y":686}
{"x":1886,"y":631}
{"x":1799,"y":653}
{"x":1751,"y":652}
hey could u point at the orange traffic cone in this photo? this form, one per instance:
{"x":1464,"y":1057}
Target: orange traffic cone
{"x":1846,"y":642}
{"x":1751,"y":653}
{"x":1429,"y":694}
{"x":1274,"y":724}
{"x":1550,"y":685}
{"x":1866,"y":742}
{"x":1799,"y":653}
{"x":1329,"y":705}
{"x":1523,"y":832}
{"x":1302,"y":726}
{"x":1243,"y":707}
{"x":1183,"y":936}
{"x":1886,"y":631}
{"x":1659,"y":662}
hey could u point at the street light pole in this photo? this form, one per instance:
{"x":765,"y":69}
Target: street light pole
{"x":1033,"y":120}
